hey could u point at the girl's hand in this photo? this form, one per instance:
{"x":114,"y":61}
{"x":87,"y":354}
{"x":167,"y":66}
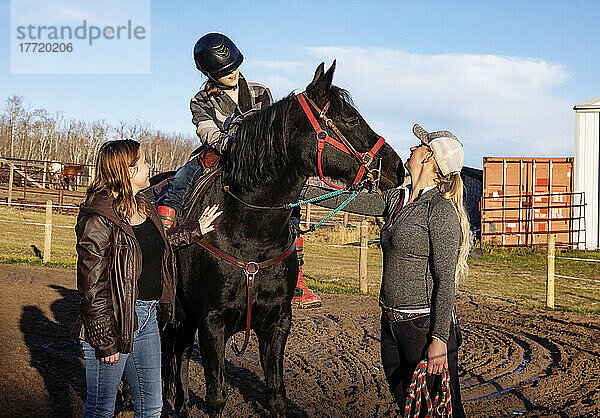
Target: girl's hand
{"x":208,"y":217}
{"x":110,"y":359}
{"x":437,"y":357}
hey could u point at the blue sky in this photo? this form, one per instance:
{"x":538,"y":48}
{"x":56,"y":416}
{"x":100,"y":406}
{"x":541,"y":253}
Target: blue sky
{"x":502,"y":75}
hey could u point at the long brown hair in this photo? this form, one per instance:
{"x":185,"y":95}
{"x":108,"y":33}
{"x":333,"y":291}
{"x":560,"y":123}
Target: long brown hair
{"x":452,"y":189}
{"x":211,"y":89}
{"x":112,"y":174}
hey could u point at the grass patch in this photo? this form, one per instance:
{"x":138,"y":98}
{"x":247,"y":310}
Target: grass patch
{"x":330,"y":287}
{"x":67,"y":264}
{"x":331,"y":267}
{"x":23,"y":243}
{"x":519,"y":274}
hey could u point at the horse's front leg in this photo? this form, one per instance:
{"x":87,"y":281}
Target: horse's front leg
{"x":184,"y":345}
{"x":272,"y":339}
{"x":211,"y":339}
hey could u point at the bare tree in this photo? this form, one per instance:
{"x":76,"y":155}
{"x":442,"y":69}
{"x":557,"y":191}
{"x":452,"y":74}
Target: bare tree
{"x":15,"y":108}
{"x":39,"y":135}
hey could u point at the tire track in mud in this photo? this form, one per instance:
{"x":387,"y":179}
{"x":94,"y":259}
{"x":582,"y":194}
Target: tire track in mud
{"x":513,"y":361}
{"x":528,"y":362}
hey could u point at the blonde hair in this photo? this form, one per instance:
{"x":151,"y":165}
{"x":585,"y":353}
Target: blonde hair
{"x":451,"y":187}
{"x":112,"y":173}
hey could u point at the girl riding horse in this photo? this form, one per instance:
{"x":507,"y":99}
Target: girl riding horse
{"x":225,"y":96}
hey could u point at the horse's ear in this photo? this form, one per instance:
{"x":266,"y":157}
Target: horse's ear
{"x":318,"y":73}
{"x":320,"y":85}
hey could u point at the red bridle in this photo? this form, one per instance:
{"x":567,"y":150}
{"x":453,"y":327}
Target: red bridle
{"x":364,"y":159}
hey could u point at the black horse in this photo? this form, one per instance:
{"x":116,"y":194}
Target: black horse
{"x":273,"y":155}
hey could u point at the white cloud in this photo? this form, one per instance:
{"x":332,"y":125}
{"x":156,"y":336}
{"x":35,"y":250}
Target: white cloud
{"x":289,"y":66}
{"x":498,"y":105}
{"x":279,"y":86}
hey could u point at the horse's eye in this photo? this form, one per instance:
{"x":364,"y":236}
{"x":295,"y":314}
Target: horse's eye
{"x":352,"y":122}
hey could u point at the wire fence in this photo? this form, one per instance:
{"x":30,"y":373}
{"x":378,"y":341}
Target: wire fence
{"x":36,"y":181}
{"x":355,"y":237}
{"x":49,"y":224}
{"x":551,"y":270}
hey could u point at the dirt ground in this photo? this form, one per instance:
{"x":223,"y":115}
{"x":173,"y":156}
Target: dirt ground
{"x":513,"y":361}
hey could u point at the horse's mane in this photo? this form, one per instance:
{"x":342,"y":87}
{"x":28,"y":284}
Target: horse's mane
{"x":259,"y":149}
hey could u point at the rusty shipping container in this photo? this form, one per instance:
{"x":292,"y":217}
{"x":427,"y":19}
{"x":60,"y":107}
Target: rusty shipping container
{"x":525,"y":199}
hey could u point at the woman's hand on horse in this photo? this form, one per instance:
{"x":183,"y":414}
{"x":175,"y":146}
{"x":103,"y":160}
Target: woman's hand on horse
{"x":437,"y":357}
{"x":208,"y":217}
{"x":110,"y":359}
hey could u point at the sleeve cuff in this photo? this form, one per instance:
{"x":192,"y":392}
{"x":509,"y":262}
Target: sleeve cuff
{"x":438,"y":337}
{"x":106,"y":351}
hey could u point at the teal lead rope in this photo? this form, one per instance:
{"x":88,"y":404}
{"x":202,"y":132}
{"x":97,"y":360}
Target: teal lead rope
{"x":355,"y":189}
{"x":324,"y":197}
{"x":319,"y":198}
{"x":336,"y":210}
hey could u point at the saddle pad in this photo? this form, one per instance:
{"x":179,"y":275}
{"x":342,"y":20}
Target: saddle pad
{"x":209,"y":158}
{"x":197,"y":190}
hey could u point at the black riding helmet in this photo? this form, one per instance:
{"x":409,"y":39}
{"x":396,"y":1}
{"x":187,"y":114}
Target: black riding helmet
{"x":216,"y":56}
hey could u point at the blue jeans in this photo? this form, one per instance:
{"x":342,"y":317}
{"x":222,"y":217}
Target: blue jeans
{"x":175,"y":192}
{"x":141,"y":367}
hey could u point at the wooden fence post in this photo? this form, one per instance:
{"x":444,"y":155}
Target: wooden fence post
{"x":346,"y":218}
{"x":11,"y":178}
{"x":92,"y":172}
{"x":45,"y":175}
{"x":24,"y":177}
{"x":550,"y":279}
{"x":48,"y":232}
{"x":362,"y":263}
{"x":307,"y":217}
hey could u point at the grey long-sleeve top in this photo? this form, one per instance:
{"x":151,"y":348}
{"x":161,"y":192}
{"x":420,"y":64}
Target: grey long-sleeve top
{"x":209,"y":113}
{"x":420,"y":249}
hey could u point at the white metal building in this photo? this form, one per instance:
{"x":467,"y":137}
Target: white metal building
{"x":587,"y":166}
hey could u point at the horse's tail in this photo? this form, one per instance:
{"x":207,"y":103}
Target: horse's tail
{"x":168,"y":337}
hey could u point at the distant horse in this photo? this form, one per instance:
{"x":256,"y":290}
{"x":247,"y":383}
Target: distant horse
{"x":65,"y":176}
{"x":274,"y":153}
{"x":55,"y":173}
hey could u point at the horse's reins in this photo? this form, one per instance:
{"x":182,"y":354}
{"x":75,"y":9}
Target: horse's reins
{"x":250,"y":269}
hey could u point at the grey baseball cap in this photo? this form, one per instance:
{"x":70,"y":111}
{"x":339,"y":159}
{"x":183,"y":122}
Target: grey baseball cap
{"x":447,"y":149}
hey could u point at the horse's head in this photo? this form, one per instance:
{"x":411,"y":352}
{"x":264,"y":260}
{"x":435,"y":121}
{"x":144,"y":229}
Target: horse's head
{"x":336,"y":105}
{"x":276,"y":144}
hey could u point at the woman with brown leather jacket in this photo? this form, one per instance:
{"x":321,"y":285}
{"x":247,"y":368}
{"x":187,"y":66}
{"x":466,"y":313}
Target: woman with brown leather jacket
{"x":125,"y":274}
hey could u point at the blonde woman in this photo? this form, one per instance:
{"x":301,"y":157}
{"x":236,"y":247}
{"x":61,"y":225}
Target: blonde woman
{"x":125,"y":274}
{"x":425,"y":242}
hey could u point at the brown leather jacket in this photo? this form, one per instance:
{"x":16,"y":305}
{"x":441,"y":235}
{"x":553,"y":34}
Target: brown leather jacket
{"x":109,"y":263}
